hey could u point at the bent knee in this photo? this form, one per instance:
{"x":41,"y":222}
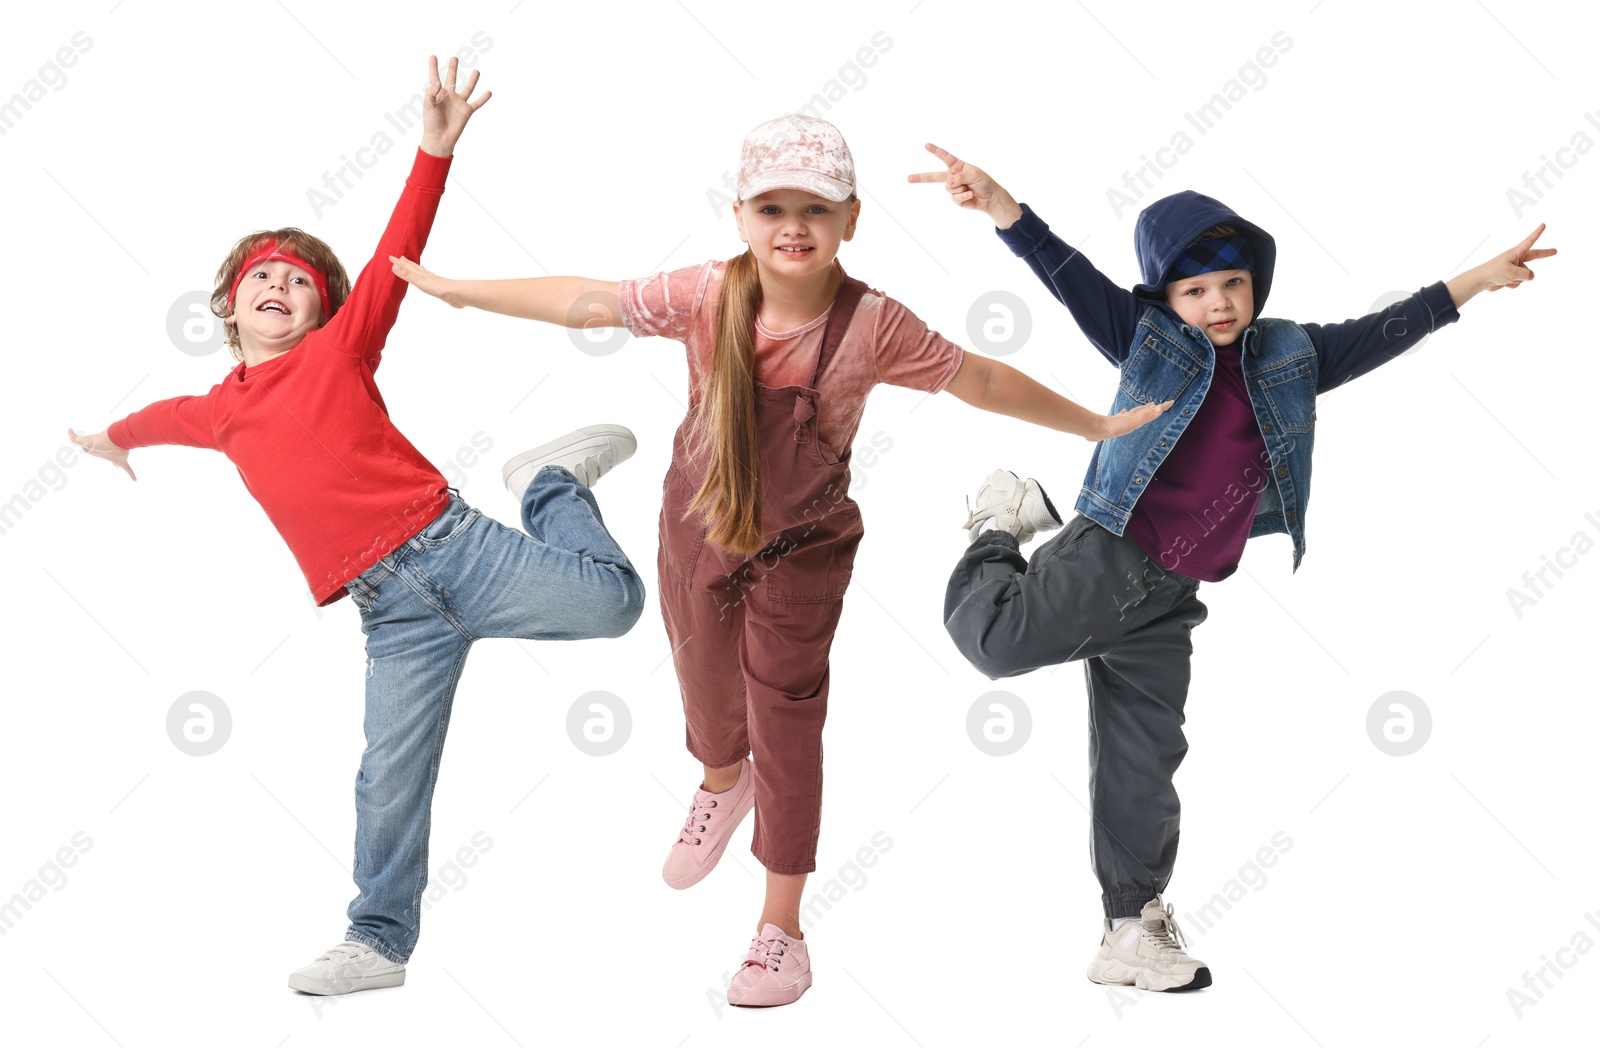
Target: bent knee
{"x":625,"y":609}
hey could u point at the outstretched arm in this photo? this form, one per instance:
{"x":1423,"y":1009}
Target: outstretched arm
{"x":569,"y":301}
{"x":988,"y":384}
{"x":1107,"y":314}
{"x":361,"y":327}
{"x":1352,"y":348}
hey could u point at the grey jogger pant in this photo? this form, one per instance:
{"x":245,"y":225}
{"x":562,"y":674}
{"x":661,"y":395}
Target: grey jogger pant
{"x":1092,"y":595}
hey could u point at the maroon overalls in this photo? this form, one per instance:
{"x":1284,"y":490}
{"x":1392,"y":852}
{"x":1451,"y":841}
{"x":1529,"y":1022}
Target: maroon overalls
{"x":750,"y":637}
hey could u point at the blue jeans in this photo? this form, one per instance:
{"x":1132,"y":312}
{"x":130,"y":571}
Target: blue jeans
{"x":463,"y":577}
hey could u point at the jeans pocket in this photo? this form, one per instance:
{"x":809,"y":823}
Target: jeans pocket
{"x":454,"y":521}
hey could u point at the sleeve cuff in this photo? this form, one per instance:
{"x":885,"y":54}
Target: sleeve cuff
{"x":1024,"y":235}
{"x":1437,"y":298}
{"x":428,"y":171}
{"x":120,"y":435}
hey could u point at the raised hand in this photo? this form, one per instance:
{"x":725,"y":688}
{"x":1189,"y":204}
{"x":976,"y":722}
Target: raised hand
{"x":971,"y":187}
{"x":99,"y":445}
{"x":1510,"y":268}
{"x":1507,"y":269}
{"x":445,"y":111}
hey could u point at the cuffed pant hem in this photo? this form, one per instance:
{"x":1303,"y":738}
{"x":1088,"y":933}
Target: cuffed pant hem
{"x":380,"y":948}
{"x":787,"y":867}
{"x":1126,"y":905}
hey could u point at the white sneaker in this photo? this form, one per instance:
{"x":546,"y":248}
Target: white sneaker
{"x":1020,"y":507}
{"x":345,"y":968}
{"x":588,"y":454}
{"x":1148,"y":953}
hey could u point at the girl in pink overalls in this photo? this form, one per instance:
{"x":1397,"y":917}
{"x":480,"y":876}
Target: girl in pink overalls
{"x":758,"y":533}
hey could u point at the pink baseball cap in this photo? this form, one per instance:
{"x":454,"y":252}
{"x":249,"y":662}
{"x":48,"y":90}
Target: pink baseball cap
{"x":796,"y":152}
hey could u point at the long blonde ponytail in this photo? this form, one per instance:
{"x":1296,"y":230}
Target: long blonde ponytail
{"x":725,"y":433}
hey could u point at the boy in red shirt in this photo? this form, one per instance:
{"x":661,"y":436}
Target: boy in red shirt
{"x":366,"y":514}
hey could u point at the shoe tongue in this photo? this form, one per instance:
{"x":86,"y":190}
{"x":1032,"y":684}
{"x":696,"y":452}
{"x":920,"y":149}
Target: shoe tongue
{"x":772,"y":931}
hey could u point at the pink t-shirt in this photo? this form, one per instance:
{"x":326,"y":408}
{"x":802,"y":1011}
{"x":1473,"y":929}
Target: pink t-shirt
{"x":885,"y":343}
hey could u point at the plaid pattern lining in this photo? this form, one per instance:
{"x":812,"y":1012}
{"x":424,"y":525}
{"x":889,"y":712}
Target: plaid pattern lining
{"x":1209,"y":256}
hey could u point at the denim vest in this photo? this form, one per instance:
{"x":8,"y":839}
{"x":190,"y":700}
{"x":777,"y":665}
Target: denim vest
{"x":1170,"y":360}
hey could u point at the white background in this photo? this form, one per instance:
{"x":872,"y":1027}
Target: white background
{"x":1379,"y":150}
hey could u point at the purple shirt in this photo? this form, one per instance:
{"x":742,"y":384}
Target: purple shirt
{"x":1196,"y":511}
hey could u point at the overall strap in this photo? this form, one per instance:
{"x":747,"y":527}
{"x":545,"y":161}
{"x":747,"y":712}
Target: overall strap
{"x":844,"y":309}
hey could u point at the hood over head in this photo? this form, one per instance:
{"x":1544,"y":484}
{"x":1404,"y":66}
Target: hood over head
{"x":1167,"y":227}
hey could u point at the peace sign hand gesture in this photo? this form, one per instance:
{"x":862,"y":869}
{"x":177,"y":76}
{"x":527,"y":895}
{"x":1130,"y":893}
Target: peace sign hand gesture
{"x":971,"y":187}
{"x":1507,"y":269}
{"x":1510,"y":268}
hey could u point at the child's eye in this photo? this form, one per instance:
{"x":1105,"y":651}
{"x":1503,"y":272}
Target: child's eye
{"x":817,"y":209}
{"x":1236,"y":280}
{"x":302,"y":280}
{"x":769,"y":209}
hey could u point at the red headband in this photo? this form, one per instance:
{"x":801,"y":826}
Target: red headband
{"x":272,"y":251}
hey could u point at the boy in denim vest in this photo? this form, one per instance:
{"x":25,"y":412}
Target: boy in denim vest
{"x":1159,"y":514}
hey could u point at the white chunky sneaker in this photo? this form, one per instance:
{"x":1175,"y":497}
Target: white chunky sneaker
{"x":588,"y":454}
{"x":345,"y":968}
{"x":1020,"y":507}
{"x":1148,"y":953}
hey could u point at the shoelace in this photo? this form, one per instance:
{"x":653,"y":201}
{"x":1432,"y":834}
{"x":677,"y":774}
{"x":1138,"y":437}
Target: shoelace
{"x":697,"y":812}
{"x":1170,"y":936}
{"x":766,"y":953}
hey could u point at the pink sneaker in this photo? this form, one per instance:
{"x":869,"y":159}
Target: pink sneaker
{"x":712,"y":818}
{"x":777,"y":970}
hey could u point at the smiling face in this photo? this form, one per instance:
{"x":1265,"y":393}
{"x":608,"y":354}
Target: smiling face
{"x":795,"y":235}
{"x":1221,"y":304}
{"x":276,"y":305}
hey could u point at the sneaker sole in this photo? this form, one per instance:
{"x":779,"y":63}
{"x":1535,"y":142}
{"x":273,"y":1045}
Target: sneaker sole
{"x":739,"y":812}
{"x":325,"y":987}
{"x":772,"y":998}
{"x":1118,"y":974}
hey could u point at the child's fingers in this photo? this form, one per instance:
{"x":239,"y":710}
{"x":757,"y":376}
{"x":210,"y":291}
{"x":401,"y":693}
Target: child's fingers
{"x":450,"y":74}
{"x":475,"y":106}
{"x":472,"y":82}
{"x":928,"y":176}
{"x":943,"y":155}
{"x":433,"y":74}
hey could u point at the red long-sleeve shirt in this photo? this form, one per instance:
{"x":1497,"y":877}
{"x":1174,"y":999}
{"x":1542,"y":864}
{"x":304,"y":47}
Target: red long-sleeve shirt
{"x":308,"y":429}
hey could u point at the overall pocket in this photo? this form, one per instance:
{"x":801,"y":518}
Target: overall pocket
{"x":681,"y":540}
